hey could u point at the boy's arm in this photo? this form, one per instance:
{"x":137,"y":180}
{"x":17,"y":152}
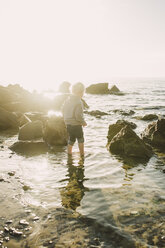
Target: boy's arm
{"x":79,"y":115}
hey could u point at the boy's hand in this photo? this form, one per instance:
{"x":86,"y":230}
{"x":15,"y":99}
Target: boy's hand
{"x":84,"y":124}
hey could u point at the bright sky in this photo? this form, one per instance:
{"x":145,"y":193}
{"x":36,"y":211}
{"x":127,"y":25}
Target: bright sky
{"x":46,"y":42}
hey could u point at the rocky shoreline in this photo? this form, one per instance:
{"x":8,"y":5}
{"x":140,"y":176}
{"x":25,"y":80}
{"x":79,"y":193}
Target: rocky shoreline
{"x":24,"y":116}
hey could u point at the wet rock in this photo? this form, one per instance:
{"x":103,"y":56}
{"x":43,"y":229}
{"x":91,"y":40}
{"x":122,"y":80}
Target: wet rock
{"x":8,"y":120}
{"x":12,"y":173}
{"x":6,"y":239}
{"x":2,"y":179}
{"x":55,"y":132}
{"x":15,"y":232}
{"x":29,"y":147}
{"x":115,"y":128}
{"x":2,"y":147}
{"x":127,"y":143}
{"x":125,"y":113}
{"x":148,"y":117}
{"x":6,"y":229}
{"x":64,"y":87}
{"x":36,"y":218}
{"x":31,"y":130}
{"x":154,"y":134}
{"x":26,"y":188}
{"x":23,"y":222}
{"x":96,"y":113}
{"x":114,"y":89}
{"x":9,"y":221}
{"x":100,"y":88}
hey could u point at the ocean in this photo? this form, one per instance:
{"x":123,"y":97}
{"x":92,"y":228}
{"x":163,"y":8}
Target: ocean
{"x":121,"y":204}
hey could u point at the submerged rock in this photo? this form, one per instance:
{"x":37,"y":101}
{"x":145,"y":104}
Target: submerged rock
{"x":154,"y":134}
{"x":127,"y":143}
{"x":55,"y":132}
{"x":29,"y":147}
{"x":31,"y":130}
{"x":96,"y":113}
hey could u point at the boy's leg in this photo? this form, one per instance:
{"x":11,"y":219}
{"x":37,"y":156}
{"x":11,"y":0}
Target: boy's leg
{"x":71,"y":140}
{"x":70,"y":149}
{"x":81,"y":148}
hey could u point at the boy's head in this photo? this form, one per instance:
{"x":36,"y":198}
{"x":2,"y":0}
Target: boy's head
{"x":78,"y":89}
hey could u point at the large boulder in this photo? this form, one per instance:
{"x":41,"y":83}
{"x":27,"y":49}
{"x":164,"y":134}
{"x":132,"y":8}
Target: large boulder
{"x":29,"y":147}
{"x":55,"y":132}
{"x":8,"y":119}
{"x":154,"y":134}
{"x":100,"y":88}
{"x":126,"y":143}
{"x":31,"y":130}
{"x":115,"y":128}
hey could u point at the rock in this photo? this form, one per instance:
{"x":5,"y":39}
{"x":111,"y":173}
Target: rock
{"x":148,"y":117}
{"x":15,"y":232}
{"x":96,"y":113}
{"x":64,"y":87}
{"x":125,"y":113}
{"x":9,"y":221}
{"x":29,"y":147}
{"x":23,"y":222}
{"x":154,"y":134}
{"x":114,"y":89}
{"x":8,"y":120}
{"x":100,"y":88}
{"x":11,"y":173}
{"x":127,"y":143}
{"x":31,"y":130}
{"x":24,"y":119}
{"x":115,"y":128}
{"x":36,"y":218}
{"x":55,"y":132}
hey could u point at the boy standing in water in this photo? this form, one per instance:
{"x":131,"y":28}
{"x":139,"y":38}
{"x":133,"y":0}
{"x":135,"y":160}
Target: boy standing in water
{"x":74,"y":119}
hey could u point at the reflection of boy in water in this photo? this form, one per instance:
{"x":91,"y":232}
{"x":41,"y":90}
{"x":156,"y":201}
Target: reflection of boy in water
{"x":73,"y":193}
{"x":74,"y":119}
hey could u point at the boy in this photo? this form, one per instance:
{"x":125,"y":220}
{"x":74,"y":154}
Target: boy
{"x":74,"y":119}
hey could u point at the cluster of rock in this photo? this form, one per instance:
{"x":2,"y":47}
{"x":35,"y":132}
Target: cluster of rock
{"x":37,"y":136}
{"x":26,"y":113}
{"x":103,"y":88}
{"x":123,"y":141}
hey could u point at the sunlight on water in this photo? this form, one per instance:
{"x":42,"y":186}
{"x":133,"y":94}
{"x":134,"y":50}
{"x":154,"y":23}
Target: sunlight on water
{"x":52,"y":113}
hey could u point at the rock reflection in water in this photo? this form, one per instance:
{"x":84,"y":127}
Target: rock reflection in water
{"x":73,"y":192}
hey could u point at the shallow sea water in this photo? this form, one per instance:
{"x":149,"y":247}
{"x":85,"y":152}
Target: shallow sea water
{"x":115,"y":203}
